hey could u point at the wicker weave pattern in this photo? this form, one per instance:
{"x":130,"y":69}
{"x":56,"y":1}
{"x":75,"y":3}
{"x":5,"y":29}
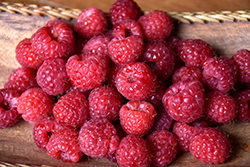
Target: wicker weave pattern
{"x":69,"y":14}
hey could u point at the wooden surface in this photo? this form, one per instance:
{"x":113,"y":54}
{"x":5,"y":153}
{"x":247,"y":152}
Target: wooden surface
{"x":16,"y":143}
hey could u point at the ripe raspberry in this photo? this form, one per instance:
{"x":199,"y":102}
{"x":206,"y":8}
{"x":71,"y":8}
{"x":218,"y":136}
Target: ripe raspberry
{"x":8,"y":108}
{"x":105,"y":102}
{"x":173,"y":42}
{"x":72,"y":115}
{"x":184,"y":134}
{"x":156,"y":25}
{"x":91,"y":22}
{"x":211,"y":146}
{"x":56,"y":40}
{"x":34,"y":105}
{"x":160,"y":58}
{"x":21,"y":80}
{"x":124,"y":9}
{"x":242,"y":104}
{"x":98,"y":137}
{"x":184,"y":100}
{"x":220,"y":107}
{"x":162,"y":120}
{"x":219,"y":73}
{"x":26,"y":56}
{"x":64,"y":144}
{"x":242,"y":59}
{"x":42,"y":131}
{"x":52,"y":76}
{"x":125,"y":50}
{"x":87,"y":71}
{"x":163,"y":147}
{"x":184,"y":73}
{"x":137,"y":117}
{"x":73,"y":88}
{"x":114,"y":68}
{"x":136,"y":81}
{"x":194,"y":51}
{"x":133,"y":151}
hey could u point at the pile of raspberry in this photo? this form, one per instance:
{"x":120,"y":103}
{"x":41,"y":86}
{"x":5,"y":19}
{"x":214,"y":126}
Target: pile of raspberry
{"x":125,"y":88}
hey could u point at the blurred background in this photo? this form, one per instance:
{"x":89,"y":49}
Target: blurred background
{"x":148,"y":5}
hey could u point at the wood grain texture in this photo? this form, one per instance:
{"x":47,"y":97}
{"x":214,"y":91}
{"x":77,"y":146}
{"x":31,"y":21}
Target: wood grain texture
{"x":16,"y":143}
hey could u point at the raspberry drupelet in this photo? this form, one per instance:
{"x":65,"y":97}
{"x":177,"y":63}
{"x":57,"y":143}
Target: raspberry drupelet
{"x":242,"y":105}
{"x":187,"y":73}
{"x":162,"y":121}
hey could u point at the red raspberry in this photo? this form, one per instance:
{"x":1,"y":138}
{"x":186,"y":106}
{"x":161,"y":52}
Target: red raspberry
{"x":98,"y":137}
{"x":126,"y":28}
{"x":242,"y":59}
{"x":8,"y":108}
{"x":194,"y":51}
{"x":114,"y":68}
{"x":26,"y":56}
{"x":186,"y":73}
{"x":133,"y":151}
{"x":173,"y":41}
{"x":64,"y":144}
{"x":219,"y":73}
{"x":87,"y":71}
{"x":125,"y":50}
{"x":91,"y":22}
{"x":160,"y":58}
{"x":73,"y":88}
{"x":124,"y":9}
{"x":184,"y":100}
{"x":137,"y":117}
{"x":220,"y":107}
{"x":211,"y":146}
{"x":156,"y":25}
{"x":184,"y":134}
{"x":34,"y":105}
{"x":52,"y":77}
{"x":242,"y":103}
{"x":163,"y":147}
{"x":21,"y":80}
{"x":42,"y":131}
{"x":136,"y":81}
{"x":162,"y":120}
{"x":56,"y":40}
{"x":105,"y":102}
{"x":72,"y":115}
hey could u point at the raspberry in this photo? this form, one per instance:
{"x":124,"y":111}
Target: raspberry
{"x":26,"y":56}
{"x":220,"y":107}
{"x":87,"y":71}
{"x":184,"y":100}
{"x":125,"y":50}
{"x":21,"y":80}
{"x":105,"y":102}
{"x":98,"y":137}
{"x":124,"y":9}
{"x":160,"y":58}
{"x":42,"y":131}
{"x":71,"y":109}
{"x":184,"y":134}
{"x":242,"y":104}
{"x":211,"y":146}
{"x":194,"y":51}
{"x":34,"y":105}
{"x":163,"y":147}
{"x":56,"y":40}
{"x":136,"y":81}
{"x":91,"y":22}
{"x":219,"y":74}
{"x":242,"y":59}
{"x":114,"y":68}
{"x":63,"y":144}
{"x":156,"y":25}
{"x":162,"y":120}
{"x":8,"y":108}
{"x":137,"y":117}
{"x":73,"y":88}
{"x":173,"y":42}
{"x":133,"y":151}
{"x":52,"y":76}
{"x":184,"y":73}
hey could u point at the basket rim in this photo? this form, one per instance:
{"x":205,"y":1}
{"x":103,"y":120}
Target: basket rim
{"x":71,"y":13}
